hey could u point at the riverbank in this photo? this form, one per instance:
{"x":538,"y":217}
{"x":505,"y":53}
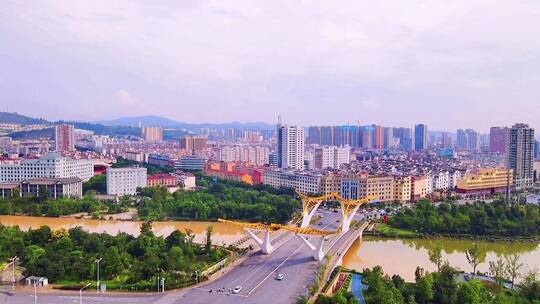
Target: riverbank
{"x":387,"y":231}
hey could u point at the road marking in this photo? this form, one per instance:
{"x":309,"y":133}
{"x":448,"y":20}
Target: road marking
{"x":281,"y":264}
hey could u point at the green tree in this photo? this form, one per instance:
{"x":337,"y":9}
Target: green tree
{"x":473,"y":292}
{"x":497,"y":269}
{"x":513,"y":267}
{"x":475,"y":256}
{"x":435,"y":255}
{"x":208,"y":243}
{"x":424,"y":289}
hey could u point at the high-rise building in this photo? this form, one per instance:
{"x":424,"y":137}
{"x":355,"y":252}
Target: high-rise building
{"x":332,"y":156}
{"x":498,"y":139}
{"x":420,"y":137}
{"x":291,"y":147}
{"x":520,"y":154}
{"x":536,"y":149}
{"x":152,"y":134}
{"x":468,"y":140}
{"x":389,"y":140}
{"x":327,"y":136}
{"x":446,"y":140}
{"x":193,"y":143}
{"x":64,"y":138}
{"x":378,"y":137}
{"x":405,"y":138}
{"x":366,"y":136}
{"x":314,"y":135}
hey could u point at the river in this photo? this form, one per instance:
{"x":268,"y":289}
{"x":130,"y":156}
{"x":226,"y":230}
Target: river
{"x":402,"y":256}
{"x":223,"y":233}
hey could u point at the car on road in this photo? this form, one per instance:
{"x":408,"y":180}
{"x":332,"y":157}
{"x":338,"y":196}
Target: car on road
{"x":280,"y":277}
{"x":237,"y":289}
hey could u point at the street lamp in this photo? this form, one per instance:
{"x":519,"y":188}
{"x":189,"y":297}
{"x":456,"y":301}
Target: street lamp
{"x":12,"y":261}
{"x":97,"y":281}
{"x":80,"y":292}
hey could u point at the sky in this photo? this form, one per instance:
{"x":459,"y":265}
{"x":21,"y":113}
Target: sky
{"x":449,"y":64}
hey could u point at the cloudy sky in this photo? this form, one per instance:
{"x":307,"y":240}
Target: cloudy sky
{"x":449,"y":64}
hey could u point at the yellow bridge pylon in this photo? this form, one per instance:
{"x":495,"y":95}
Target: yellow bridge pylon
{"x":348,"y":207}
{"x":311,"y":204}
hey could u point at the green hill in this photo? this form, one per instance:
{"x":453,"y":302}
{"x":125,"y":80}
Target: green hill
{"x":16,"y":118}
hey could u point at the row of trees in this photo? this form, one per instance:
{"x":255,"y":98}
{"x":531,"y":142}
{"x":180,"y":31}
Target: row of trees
{"x":127,"y":261}
{"x":39,"y":206}
{"x":505,"y":269}
{"x":442,"y":287}
{"x":495,"y":219}
{"x":219,"y":200}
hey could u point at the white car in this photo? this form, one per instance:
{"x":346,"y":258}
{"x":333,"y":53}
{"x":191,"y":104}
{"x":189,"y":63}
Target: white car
{"x":280,"y":277}
{"x":237,"y":289}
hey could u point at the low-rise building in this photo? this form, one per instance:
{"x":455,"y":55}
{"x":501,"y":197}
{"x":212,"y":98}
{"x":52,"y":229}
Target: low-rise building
{"x":190,"y":163}
{"x":307,"y":183}
{"x":52,"y":187}
{"x":235,"y":171}
{"x":7,"y":189}
{"x":52,"y":165}
{"x":162,"y":180}
{"x":187,"y":180}
{"x":355,"y":186}
{"x":402,"y":188}
{"x":485,"y":181}
{"x":419,"y":187}
{"x":125,"y":181}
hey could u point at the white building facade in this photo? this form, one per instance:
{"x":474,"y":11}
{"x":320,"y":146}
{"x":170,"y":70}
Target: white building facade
{"x":301,"y":182}
{"x":125,"y":181}
{"x":291,"y":147}
{"x":52,"y":165}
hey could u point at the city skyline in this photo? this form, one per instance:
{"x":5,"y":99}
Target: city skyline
{"x":394,"y":64}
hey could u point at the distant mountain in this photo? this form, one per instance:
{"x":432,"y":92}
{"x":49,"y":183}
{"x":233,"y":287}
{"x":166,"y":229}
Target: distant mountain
{"x":152,"y":120}
{"x":16,"y":118}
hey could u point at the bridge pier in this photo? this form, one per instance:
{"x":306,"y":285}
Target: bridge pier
{"x":307,"y":215}
{"x":318,"y":252}
{"x":266,"y":244}
{"x":348,"y":215}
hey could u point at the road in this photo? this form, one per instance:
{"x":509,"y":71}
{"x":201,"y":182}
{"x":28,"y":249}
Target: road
{"x":256,"y":275}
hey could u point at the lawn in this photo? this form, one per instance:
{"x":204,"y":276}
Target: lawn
{"x":395,"y":232}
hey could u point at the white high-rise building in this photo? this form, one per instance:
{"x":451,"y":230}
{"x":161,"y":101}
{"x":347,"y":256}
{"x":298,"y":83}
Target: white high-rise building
{"x":52,"y":165}
{"x":291,"y":147}
{"x":125,"y":181}
{"x":332,"y":157}
{"x":520,"y":154}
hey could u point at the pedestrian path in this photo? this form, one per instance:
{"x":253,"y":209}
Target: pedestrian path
{"x":357,"y":288}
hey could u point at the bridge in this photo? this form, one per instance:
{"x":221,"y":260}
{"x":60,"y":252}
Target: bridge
{"x":266,"y":244}
{"x":310,"y":206}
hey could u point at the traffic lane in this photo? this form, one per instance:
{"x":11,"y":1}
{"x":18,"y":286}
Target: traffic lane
{"x":255,"y":263}
{"x":254,"y":269}
{"x":272,"y":267}
{"x":299,"y":272}
{"x":251,"y":273}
